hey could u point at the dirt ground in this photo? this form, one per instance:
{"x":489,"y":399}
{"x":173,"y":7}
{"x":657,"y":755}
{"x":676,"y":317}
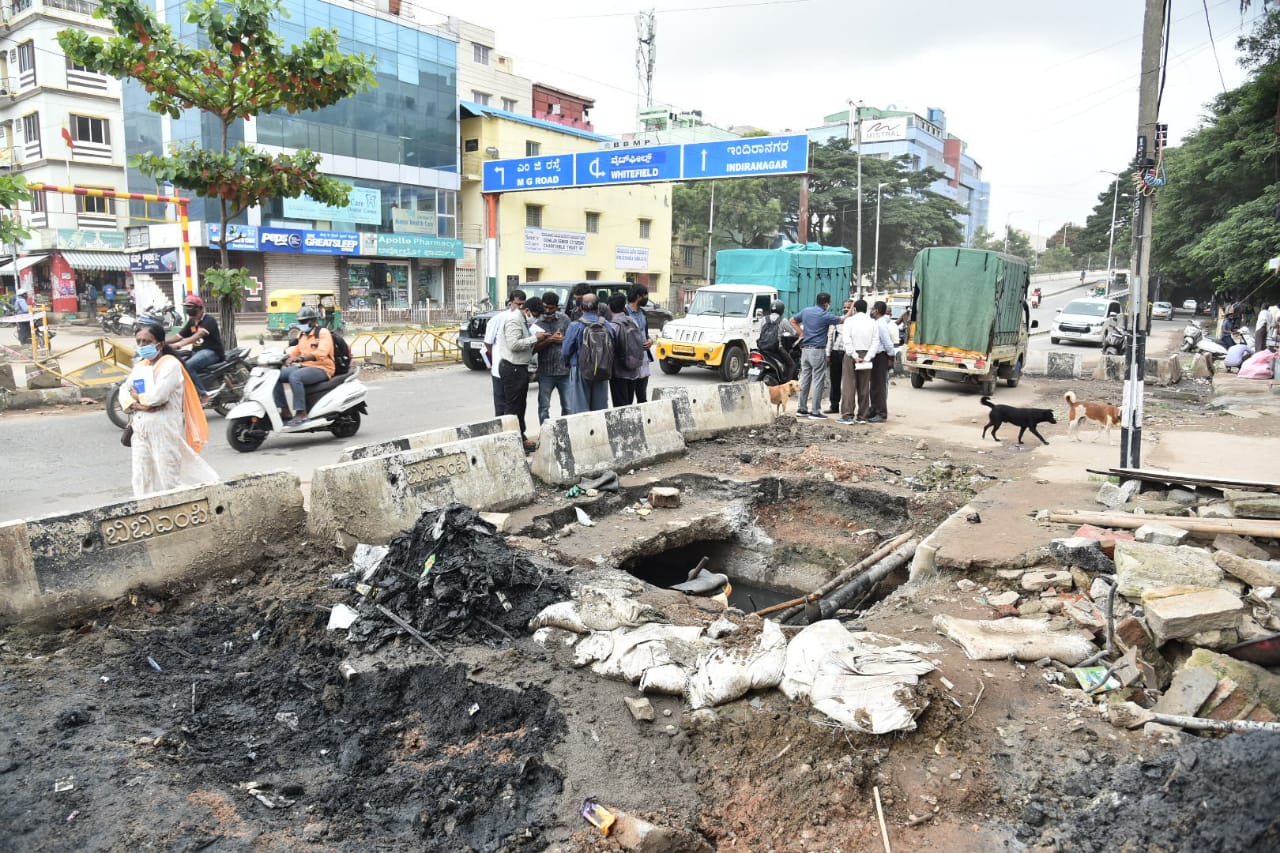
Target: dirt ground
{"x":225,"y":717}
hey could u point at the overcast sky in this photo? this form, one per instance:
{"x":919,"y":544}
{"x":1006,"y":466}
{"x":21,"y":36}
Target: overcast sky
{"x":1045,"y":94}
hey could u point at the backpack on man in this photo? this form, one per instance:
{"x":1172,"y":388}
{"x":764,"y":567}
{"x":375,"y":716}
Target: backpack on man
{"x":630,"y":348}
{"x":341,"y":354}
{"x":596,"y":353}
{"x":770,"y":337}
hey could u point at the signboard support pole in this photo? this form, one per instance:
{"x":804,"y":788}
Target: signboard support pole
{"x":491,"y":245}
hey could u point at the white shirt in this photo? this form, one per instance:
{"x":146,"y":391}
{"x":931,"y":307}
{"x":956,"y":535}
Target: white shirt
{"x":886,"y":332}
{"x":493,"y":338}
{"x":858,"y":332}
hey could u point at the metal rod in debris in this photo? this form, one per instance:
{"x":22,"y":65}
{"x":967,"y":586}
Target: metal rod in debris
{"x":413,"y":632}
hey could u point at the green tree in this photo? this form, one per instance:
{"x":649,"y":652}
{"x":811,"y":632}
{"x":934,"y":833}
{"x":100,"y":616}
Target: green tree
{"x":13,"y":189}
{"x":235,"y":69}
{"x":749,"y":212}
{"x":1095,"y":238}
{"x":1057,"y":259}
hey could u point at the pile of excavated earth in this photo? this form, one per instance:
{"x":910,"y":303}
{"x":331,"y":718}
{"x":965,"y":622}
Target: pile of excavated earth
{"x":748,"y":649}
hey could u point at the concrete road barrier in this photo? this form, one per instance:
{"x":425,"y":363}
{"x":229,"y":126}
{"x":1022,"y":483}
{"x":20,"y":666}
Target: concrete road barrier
{"x":1158,"y":371}
{"x":82,"y":558}
{"x":585,"y":444}
{"x":374,"y":499}
{"x":1054,"y":365}
{"x":703,"y":412}
{"x":433,"y":438}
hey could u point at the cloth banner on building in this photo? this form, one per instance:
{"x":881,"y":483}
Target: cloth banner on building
{"x":541,"y":241}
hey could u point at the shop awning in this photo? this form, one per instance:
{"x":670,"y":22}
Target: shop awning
{"x":23,"y":263}
{"x":97,"y":261}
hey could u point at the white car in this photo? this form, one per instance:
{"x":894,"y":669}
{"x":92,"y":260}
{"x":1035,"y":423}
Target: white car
{"x":1162,"y":311}
{"x":1085,"y":321}
{"x":1189,"y":305}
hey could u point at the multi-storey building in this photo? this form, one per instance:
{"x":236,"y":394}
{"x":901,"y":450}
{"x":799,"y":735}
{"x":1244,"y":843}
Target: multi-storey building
{"x":485,"y":76}
{"x":890,"y":133}
{"x":611,"y":233}
{"x":61,"y":124}
{"x":562,"y":107}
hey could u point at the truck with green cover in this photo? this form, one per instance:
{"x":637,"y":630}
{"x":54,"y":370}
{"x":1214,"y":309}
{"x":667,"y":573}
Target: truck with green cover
{"x":723,"y":321}
{"x":970,"y":321}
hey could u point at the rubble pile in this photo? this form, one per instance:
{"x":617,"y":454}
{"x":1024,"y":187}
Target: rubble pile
{"x":451,"y":577}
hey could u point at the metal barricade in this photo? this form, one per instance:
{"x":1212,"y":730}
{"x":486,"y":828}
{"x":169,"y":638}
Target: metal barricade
{"x":406,"y":347}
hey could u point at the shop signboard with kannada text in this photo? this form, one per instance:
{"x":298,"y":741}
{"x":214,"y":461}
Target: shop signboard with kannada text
{"x":528,"y":173}
{"x":409,"y":246}
{"x":733,"y":158}
{"x":243,"y":238}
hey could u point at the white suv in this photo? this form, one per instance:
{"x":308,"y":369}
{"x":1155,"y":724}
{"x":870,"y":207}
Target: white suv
{"x":1085,"y":321}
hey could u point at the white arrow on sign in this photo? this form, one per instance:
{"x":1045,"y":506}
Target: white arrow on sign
{"x":595,"y":170}
{"x":704,"y":159}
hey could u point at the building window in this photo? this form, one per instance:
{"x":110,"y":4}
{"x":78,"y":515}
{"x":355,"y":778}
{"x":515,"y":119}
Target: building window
{"x":593,"y":275}
{"x":95,"y":205}
{"x":481,"y":98}
{"x":480,"y":53}
{"x":27,"y":57}
{"x":690,"y":255}
{"x":533,"y":216}
{"x":470,"y":145}
{"x":31,"y":127}
{"x":593,"y":222}
{"x":37,"y":203}
{"x":646,"y":225}
{"x":531,"y":148}
{"x":90,"y":129}
{"x":533,"y":274}
{"x":509,"y":104}
{"x":446,"y":213}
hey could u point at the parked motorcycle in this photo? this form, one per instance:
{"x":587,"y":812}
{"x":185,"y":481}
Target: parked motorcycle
{"x":1114,"y":341}
{"x":334,"y":406}
{"x":116,"y":321}
{"x":1035,"y":298}
{"x":1193,"y":340}
{"x":226,"y":381}
{"x":166,"y":315}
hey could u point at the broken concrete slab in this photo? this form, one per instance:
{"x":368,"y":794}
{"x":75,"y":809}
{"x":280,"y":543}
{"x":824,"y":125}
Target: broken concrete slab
{"x":1141,"y":566}
{"x":1178,"y":612}
{"x":1160,"y":534}
{"x":1040,"y":581}
{"x":1188,"y":691}
{"x":1252,"y":572}
{"x":1261,"y":689}
{"x":1218,"y":509}
{"x":664,"y":496}
{"x":1253,"y":504}
{"x":1186,"y":497}
{"x":1239,"y":546}
{"x":1003,"y":599}
{"x":1111,"y":495}
{"x":1158,"y":508}
{"x":1107,"y":537}
{"x":1082,"y":551}
{"x":1219,"y":639}
{"x":641,"y":708}
{"x":1132,"y":634}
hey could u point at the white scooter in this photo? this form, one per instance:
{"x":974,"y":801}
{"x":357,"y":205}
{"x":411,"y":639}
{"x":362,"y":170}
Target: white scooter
{"x":1193,"y":340}
{"x":334,"y":405}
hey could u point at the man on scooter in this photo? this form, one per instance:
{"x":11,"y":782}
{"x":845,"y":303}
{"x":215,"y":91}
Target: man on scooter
{"x":201,"y":333}
{"x":310,"y":361}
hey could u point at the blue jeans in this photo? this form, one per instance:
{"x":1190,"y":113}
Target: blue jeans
{"x":199,"y":359}
{"x":547,"y":384}
{"x":298,"y":378}
{"x":588,"y":396}
{"x":813,"y":375}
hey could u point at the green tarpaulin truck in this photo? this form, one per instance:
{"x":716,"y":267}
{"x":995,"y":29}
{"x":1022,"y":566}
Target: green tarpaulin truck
{"x":970,"y":320}
{"x":723,"y":321}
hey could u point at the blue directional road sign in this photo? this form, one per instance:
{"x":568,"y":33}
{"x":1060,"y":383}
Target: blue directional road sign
{"x":528,"y":173}
{"x":629,"y":166}
{"x":752,"y":157}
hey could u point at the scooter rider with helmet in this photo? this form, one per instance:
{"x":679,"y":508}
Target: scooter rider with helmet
{"x":774,"y":345}
{"x":308,"y":362}
{"x":202,"y":334}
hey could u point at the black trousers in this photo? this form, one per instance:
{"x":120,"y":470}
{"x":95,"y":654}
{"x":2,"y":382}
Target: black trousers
{"x":880,"y":384}
{"x":835,"y":369}
{"x":622,"y":391}
{"x":515,"y":390}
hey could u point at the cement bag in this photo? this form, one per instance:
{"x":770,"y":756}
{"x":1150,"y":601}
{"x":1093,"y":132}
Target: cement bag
{"x":605,"y":610}
{"x":727,"y":674}
{"x":596,"y":647}
{"x":670,"y":679}
{"x":626,"y":640}
{"x":805,"y":654}
{"x":870,"y":690}
{"x":562,"y":614}
{"x":1024,"y":639}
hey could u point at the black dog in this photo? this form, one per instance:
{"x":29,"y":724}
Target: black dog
{"x":1024,"y":418}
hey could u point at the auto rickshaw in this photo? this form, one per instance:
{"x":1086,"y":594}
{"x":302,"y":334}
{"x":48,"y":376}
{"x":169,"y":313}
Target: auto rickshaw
{"x":283,"y":305}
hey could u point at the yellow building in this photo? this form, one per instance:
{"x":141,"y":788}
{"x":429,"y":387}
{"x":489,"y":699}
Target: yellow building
{"x":618,"y":233}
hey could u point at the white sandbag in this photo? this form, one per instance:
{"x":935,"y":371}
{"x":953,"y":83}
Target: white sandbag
{"x":605,"y":610}
{"x":870,"y":690}
{"x":723,"y":675}
{"x":595,"y":647}
{"x":548,"y":637}
{"x":642,"y":657}
{"x":1024,"y":639}
{"x":671,"y":679}
{"x":805,"y":654}
{"x":562,"y":614}
{"x":625,"y":641}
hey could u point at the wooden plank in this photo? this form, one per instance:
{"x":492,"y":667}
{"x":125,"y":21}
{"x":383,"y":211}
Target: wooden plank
{"x":1240,"y":526}
{"x":1152,"y":475}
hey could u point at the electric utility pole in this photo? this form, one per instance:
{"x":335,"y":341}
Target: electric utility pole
{"x":1144,"y":202}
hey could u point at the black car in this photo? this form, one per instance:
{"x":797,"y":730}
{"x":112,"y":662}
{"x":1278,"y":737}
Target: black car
{"x":471,"y":334}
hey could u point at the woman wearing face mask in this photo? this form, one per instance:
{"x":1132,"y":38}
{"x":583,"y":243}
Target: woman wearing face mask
{"x":309,"y":361}
{"x":169,"y":428}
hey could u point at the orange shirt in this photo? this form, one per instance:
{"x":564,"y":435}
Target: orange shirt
{"x":317,"y":346}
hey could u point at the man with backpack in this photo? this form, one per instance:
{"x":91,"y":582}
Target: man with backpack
{"x":589,"y":353}
{"x":629,"y":352}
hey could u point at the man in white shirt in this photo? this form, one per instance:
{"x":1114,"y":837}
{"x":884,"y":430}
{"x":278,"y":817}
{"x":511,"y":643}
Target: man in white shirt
{"x":857,"y":333}
{"x":493,"y":347}
{"x":883,"y":348}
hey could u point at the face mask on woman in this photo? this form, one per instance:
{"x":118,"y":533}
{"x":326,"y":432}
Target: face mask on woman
{"x":148,"y":351}
{"x":304,"y":327}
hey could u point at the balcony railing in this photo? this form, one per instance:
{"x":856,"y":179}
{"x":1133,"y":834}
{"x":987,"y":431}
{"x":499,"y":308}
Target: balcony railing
{"x":80,"y":7}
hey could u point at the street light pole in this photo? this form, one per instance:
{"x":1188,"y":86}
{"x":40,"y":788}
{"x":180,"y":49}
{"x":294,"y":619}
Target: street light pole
{"x":1008,"y":225}
{"x":875,"y":272}
{"x":1111,"y":245}
{"x":857,"y":124}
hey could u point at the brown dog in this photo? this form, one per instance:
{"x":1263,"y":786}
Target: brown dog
{"x":780,"y":396}
{"x":1103,"y":414}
